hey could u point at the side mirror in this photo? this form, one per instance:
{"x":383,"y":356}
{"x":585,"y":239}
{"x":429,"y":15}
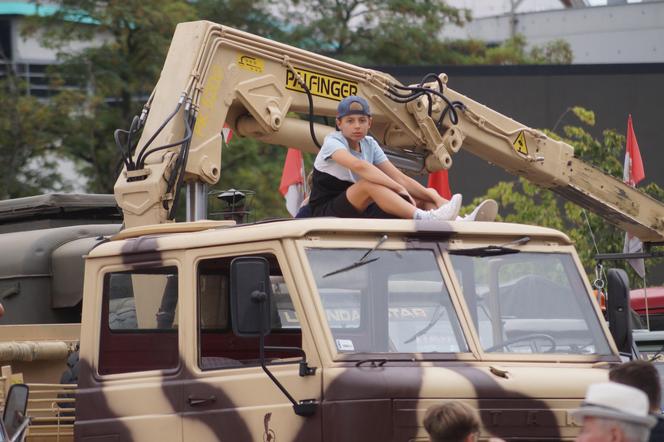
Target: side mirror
{"x":16,"y":404}
{"x":617,"y":307}
{"x":251,"y":313}
{"x":250,"y":296}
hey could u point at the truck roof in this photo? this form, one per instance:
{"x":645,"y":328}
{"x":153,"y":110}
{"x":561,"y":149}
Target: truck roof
{"x":57,"y":210}
{"x":170,"y":239}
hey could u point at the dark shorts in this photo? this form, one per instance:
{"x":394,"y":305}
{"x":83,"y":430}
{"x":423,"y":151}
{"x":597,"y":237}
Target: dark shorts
{"x":340,"y":207}
{"x":304,"y":212}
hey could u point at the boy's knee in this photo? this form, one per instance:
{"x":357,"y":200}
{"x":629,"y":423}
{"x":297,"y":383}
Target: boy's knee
{"x":361,"y":192}
{"x":367,"y":185}
{"x":364,"y":186}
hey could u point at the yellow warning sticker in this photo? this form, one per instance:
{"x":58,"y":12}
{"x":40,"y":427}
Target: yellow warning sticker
{"x":250,"y":63}
{"x":321,"y":85}
{"x":520,"y":143}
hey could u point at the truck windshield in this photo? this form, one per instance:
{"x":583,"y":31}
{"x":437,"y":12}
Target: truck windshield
{"x":529,"y":303}
{"x":395,"y":301}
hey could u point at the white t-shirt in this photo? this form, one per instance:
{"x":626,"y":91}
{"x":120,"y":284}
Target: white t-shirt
{"x":370,"y":151}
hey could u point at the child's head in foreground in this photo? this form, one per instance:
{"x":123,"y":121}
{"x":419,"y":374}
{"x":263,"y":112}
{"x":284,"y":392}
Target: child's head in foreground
{"x":452,"y":422}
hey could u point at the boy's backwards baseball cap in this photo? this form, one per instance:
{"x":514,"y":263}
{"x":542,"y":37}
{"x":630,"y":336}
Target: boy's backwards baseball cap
{"x":353,"y":105}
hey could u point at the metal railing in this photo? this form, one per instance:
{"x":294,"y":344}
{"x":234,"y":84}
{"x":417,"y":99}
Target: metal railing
{"x":51,"y":408}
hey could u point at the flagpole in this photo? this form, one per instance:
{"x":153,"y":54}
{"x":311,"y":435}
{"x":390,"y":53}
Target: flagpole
{"x":645,"y":296}
{"x":304,"y":179}
{"x":633,"y":173}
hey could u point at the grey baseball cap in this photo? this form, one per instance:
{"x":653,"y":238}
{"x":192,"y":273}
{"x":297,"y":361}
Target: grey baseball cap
{"x":353,"y":105}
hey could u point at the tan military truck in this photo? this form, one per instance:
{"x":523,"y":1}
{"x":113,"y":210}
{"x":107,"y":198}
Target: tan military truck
{"x":363,"y":327}
{"x":330,"y":329}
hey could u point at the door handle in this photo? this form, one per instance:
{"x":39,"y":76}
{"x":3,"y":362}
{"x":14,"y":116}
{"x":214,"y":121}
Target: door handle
{"x":198,"y":401}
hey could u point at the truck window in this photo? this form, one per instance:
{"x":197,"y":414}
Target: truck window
{"x":395,"y":301}
{"x":218,"y":346}
{"x":139,"y":325}
{"x":530,"y":303}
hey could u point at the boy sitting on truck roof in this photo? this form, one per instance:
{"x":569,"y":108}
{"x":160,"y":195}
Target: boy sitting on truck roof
{"x":353,"y":178}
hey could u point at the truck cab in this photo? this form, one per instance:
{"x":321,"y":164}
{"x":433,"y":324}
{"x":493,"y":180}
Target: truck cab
{"x":369,"y":324}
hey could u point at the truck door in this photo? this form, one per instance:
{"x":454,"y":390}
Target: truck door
{"x":229,"y":396}
{"x":133,"y":390}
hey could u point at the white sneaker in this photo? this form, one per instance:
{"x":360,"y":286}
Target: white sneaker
{"x":485,"y":211}
{"x":449,"y":210}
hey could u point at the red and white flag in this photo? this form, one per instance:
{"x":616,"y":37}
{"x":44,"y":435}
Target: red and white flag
{"x":439,"y":180}
{"x":633,"y":173}
{"x":292,"y":181}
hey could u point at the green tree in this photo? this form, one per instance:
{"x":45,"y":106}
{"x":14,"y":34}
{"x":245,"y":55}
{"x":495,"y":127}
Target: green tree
{"x":112,"y":79}
{"x":374,"y":31}
{"x":511,"y":51}
{"x":515,"y":51}
{"x":523,"y":202}
{"x":392,"y":32}
{"x":248,"y":15}
{"x":27,"y":151}
{"x":554,"y":52}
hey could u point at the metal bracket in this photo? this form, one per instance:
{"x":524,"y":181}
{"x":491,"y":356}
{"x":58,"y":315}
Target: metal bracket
{"x":305,"y":370}
{"x":265,"y":100}
{"x":306,"y":407}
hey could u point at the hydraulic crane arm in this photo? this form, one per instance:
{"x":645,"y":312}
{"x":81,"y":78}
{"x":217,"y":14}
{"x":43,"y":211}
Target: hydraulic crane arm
{"x":215,"y":76}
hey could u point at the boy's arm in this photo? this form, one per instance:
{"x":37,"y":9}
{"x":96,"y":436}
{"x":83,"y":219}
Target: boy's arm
{"x":367,"y":171}
{"x":412,"y":186}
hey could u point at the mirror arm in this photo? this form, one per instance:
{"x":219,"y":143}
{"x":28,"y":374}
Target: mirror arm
{"x":305,"y":370}
{"x":305,"y":407}
{"x":20,"y":430}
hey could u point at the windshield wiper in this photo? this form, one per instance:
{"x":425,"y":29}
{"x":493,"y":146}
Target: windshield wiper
{"x":492,"y":250}
{"x":437,"y":314}
{"x":360,"y":262}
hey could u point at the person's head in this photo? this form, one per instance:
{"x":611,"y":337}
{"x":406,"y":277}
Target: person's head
{"x":642,"y":375}
{"x":354,"y":118}
{"x":452,"y":422}
{"x":614,"y":412}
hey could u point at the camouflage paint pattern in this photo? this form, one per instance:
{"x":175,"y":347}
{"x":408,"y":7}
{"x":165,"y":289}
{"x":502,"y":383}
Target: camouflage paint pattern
{"x":356,"y":402}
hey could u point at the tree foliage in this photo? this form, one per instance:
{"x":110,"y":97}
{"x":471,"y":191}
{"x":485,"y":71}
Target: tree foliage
{"x":111,"y":80}
{"x":523,"y":202}
{"x":512,"y":51}
{"x":27,"y":150}
{"x":555,"y":52}
{"x":393,"y":32}
{"x":253,"y":16}
{"x":397,"y":31}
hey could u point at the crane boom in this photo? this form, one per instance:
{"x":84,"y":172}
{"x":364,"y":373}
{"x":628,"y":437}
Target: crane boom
{"x":215,"y":76}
